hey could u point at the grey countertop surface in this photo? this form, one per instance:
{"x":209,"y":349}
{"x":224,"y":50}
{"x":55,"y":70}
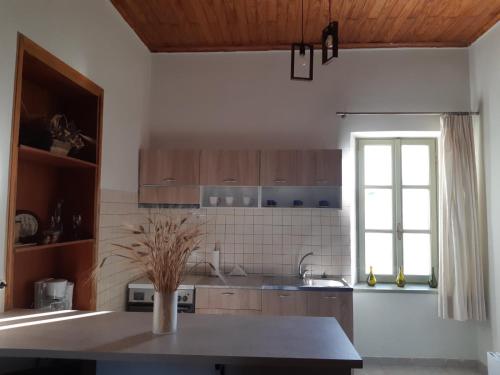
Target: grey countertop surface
{"x":225,"y":339}
{"x":251,"y":282}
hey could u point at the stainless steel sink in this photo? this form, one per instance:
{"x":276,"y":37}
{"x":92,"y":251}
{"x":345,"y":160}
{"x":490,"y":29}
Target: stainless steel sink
{"x":323,"y":283}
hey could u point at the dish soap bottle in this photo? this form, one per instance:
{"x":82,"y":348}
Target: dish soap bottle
{"x":371,"y":280}
{"x":433,"y":283}
{"x":401,"y":279}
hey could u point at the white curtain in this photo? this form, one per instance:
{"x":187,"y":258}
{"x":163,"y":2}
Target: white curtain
{"x":461,"y":283}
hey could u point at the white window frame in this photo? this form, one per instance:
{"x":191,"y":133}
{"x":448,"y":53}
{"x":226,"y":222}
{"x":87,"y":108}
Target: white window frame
{"x":397,"y":189}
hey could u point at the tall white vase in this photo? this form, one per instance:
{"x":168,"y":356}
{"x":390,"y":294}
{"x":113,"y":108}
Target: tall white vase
{"x":165,"y":313}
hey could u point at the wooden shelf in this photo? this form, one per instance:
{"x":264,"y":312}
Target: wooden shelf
{"x":22,"y":249}
{"x":46,"y":157}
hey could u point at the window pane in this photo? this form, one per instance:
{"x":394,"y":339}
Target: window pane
{"x":415,"y":164}
{"x":416,"y":209}
{"x":378,"y":165}
{"x":378,"y":209}
{"x":378,"y":253}
{"x":417,"y":253}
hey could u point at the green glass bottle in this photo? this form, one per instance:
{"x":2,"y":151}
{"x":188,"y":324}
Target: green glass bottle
{"x":371,"y":280}
{"x":433,"y":283}
{"x":401,"y":279}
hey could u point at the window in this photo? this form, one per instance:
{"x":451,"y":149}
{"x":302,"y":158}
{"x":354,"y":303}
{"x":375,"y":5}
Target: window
{"x":397,"y":216}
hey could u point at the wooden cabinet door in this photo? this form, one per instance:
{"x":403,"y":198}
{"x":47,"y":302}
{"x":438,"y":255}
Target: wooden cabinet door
{"x":283,"y":302}
{"x":278,"y":168}
{"x":169,"y":195}
{"x":226,"y":167}
{"x":333,"y":304}
{"x":170,"y":167}
{"x":319,"y":167}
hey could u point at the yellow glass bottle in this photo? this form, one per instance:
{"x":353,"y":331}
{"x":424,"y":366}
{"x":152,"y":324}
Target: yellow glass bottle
{"x":401,"y":279}
{"x":371,"y":280}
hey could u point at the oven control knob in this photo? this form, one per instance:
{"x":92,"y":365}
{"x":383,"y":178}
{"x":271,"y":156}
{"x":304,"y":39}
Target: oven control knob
{"x":185,"y":298}
{"x":179,"y":298}
{"x":153,"y":297}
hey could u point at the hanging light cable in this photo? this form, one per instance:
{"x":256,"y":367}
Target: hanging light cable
{"x":330,"y":38}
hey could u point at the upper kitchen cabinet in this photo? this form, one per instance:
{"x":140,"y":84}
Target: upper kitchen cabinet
{"x":319,"y":168}
{"x":230,"y":168}
{"x":169,"y":177}
{"x":170,"y":167}
{"x":278,"y":168}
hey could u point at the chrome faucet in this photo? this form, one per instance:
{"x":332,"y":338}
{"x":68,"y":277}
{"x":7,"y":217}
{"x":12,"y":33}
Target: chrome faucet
{"x":302,"y":274}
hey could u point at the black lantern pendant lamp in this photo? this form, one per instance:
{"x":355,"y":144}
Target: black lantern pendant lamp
{"x":302,"y":57}
{"x":330,"y":38}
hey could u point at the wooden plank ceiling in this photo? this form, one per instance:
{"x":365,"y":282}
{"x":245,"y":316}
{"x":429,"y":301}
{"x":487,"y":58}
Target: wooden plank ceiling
{"x":239,"y":25}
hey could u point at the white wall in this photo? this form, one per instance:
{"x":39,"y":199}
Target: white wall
{"x":93,"y":38}
{"x":248,"y":100}
{"x":398,"y":325}
{"x":484,"y":58}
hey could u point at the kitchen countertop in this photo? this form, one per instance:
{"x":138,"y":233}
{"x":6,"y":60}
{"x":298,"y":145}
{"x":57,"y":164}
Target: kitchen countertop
{"x":248,"y":282}
{"x":204,"y":339}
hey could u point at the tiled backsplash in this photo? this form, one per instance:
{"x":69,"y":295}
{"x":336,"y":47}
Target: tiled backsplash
{"x":272,"y":240}
{"x":262,"y":240}
{"x":117,"y":208}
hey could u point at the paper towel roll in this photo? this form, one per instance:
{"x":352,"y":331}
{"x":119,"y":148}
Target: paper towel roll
{"x":214,"y":260}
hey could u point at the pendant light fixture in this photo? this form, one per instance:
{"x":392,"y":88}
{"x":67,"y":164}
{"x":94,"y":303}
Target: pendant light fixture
{"x":302,"y":57}
{"x":330,"y":38}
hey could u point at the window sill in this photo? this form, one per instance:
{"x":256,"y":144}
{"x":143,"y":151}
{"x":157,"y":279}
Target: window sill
{"x":392,"y":288}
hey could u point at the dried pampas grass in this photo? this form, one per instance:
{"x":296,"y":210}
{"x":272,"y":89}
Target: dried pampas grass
{"x":162,"y":251}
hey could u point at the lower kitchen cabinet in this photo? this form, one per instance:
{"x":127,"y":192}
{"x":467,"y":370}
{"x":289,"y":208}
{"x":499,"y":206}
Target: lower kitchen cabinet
{"x":241,"y":301}
{"x":336,"y":304}
{"x":283,"y":302}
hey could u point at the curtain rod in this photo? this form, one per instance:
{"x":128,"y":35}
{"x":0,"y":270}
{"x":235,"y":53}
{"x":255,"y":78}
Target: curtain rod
{"x":344,"y":114}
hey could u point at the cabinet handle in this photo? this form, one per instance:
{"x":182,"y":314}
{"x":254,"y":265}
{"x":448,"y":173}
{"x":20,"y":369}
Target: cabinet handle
{"x":329,"y":297}
{"x":279,"y":180}
{"x":284,"y":295}
{"x":169,"y":179}
{"x":229,"y":180}
{"x":321,"y":182}
{"x":227,"y":293}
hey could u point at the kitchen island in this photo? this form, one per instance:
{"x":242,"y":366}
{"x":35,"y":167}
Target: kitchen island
{"x":264,"y":344}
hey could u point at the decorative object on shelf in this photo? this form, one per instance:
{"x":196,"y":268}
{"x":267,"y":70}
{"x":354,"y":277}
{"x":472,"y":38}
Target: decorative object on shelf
{"x":298,"y":203}
{"x":271,"y":203}
{"x":229,"y":200}
{"x":330,"y":38}
{"x":214,"y":201}
{"x":162,"y":252}
{"x":324,"y":204}
{"x":28,"y":226}
{"x":65,"y":135}
{"x":76,"y":222}
{"x":302,"y":65}
{"x":55,"y":231}
{"x":371,"y":280}
{"x":247,"y":200}
{"x":433,"y":282}
{"x":401,"y":279}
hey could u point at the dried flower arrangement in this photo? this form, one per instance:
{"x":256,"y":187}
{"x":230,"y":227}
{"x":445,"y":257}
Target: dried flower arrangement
{"x":162,"y":251}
